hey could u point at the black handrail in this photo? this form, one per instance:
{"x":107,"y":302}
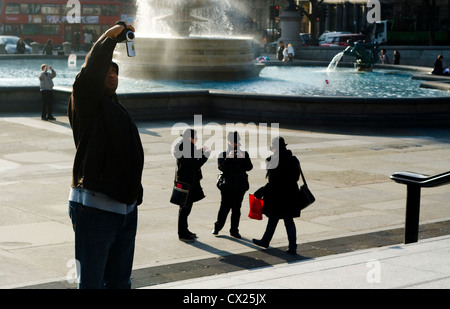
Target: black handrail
{"x":414,"y":182}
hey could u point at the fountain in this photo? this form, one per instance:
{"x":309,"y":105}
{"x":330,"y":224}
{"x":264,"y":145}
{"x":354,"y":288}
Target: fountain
{"x":173,"y":52}
{"x":366,"y":54}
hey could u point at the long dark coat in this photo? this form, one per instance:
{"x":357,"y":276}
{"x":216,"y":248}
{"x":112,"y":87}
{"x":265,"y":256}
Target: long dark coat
{"x":189,"y":163}
{"x":280,"y":194}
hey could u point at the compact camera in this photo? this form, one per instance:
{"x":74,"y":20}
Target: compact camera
{"x":127,"y":36}
{"x":131,"y":51}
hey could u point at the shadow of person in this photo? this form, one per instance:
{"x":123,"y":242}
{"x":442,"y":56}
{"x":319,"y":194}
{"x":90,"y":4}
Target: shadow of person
{"x":60,"y":123}
{"x":228,"y":261}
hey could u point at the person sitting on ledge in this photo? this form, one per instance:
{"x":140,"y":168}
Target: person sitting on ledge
{"x":439,"y":68}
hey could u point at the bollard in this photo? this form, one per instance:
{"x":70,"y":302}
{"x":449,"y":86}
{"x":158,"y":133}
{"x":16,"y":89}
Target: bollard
{"x":412,"y":213}
{"x":67,"y":47}
{"x":35,"y":47}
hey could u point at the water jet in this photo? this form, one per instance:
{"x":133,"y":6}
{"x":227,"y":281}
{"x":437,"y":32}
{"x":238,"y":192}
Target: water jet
{"x":177,"y":50}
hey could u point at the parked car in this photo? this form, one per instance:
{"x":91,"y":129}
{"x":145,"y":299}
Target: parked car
{"x":10,"y":43}
{"x":328,"y":36}
{"x":341,"y":40}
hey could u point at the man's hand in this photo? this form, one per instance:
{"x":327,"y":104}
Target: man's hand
{"x":116,"y":30}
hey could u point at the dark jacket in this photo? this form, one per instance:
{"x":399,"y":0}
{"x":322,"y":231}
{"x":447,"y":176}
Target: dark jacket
{"x":280,"y":194}
{"x":189,"y":163}
{"x":109,"y":156}
{"x":235,"y":170}
{"x":438,"y":67}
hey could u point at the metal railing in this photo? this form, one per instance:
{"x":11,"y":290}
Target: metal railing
{"x":414,"y":182}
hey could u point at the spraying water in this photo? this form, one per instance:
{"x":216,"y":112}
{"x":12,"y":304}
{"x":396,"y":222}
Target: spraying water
{"x":189,"y":40}
{"x":182,"y":18}
{"x":335,"y":61}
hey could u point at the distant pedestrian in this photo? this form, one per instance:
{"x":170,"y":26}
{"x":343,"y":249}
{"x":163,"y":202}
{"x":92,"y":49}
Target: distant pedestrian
{"x":190,"y":159}
{"x":280,"y":194}
{"x":76,"y":40}
{"x":46,"y":86}
{"x":383,"y":57}
{"x":290,"y":52}
{"x":234,"y":163}
{"x":439,"y":67}
{"x":87,"y":40}
{"x":280,"y":50}
{"x":48,"y":48}
{"x":20,"y":46}
{"x":396,"y":57}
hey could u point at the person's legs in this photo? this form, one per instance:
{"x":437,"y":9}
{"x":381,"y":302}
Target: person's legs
{"x":224,"y":209}
{"x":183,"y":214}
{"x":95,"y":235}
{"x":268,"y":234}
{"x":121,"y":255}
{"x":44,"y":104}
{"x":236,"y":213}
{"x":292,"y":235}
{"x":50,"y":105}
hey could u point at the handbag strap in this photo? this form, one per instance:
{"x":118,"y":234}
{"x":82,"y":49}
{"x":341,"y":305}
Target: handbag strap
{"x":175,"y":178}
{"x":301,"y":173}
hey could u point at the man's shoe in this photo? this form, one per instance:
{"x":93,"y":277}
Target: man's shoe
{"x":193,"y":235}
{"x":291,"y":252}
{"x":236,"y":235}
{"x":259,"y":243}
{"x":51,"y":118}
{"x":186,"y":238}
{"x":215,"y":232}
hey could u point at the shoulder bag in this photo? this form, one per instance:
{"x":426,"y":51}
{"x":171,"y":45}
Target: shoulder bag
{"x":305,"y":196}
{"x":180,"y":192}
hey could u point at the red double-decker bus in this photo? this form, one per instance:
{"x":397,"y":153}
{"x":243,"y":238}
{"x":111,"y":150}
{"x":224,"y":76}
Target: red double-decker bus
{"x":41,"y":20}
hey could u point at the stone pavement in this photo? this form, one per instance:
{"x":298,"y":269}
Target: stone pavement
{"x":358,"y":207}
{"x":422,"y":265}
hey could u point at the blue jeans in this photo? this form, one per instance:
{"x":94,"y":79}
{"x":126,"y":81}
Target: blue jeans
{"x":104,"y":246}
{"x":290,"y":230}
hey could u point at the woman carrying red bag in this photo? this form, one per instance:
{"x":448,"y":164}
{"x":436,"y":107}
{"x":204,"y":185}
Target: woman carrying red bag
{"x":280,"y":194}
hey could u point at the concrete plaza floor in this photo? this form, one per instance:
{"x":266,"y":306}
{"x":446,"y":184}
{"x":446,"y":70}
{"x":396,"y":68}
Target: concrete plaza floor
{"x":347,"y":169}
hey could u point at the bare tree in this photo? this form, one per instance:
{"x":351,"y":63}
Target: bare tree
{"x":429,"y":10}
{"x":316,"y":6}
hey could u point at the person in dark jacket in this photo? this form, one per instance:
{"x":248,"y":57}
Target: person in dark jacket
{"x":280,"y":194}
{"x":439,"y":67}
{"x":48,"y":48}
{"x":280,"y":51}
{"x":20,"y":46}
{"x":107,"y":171}
{"x":46,"y":86}
{"x":190,"y":159}
{"x":234,"y":164}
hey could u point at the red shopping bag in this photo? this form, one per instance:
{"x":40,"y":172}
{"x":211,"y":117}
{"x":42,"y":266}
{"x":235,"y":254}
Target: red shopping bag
{"x":256,"y":207}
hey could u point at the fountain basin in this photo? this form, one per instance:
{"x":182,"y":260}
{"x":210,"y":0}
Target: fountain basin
{"x":190,"y":58}
{"x":282,"y":94}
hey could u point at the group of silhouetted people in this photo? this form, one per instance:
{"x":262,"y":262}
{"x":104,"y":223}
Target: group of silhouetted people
{"x":279,"y":194}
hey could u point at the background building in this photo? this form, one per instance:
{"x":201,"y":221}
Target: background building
{"x":425,"y":16}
